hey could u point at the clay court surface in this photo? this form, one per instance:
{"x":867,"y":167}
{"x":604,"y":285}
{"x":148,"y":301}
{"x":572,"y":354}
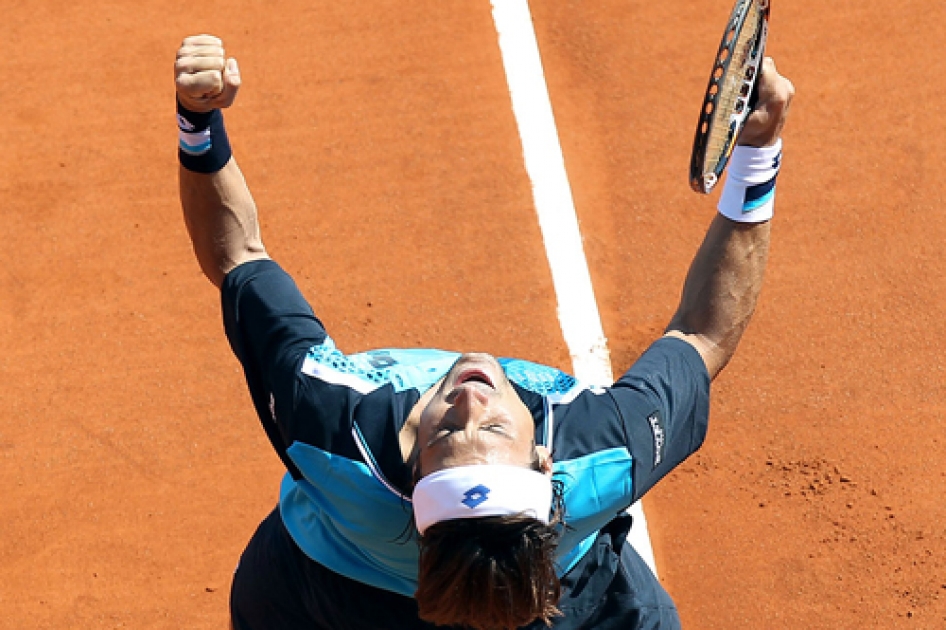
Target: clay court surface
{"x":380,"y":144}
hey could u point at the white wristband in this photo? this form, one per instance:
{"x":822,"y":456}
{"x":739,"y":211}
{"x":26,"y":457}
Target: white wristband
{"x":749,"y":193}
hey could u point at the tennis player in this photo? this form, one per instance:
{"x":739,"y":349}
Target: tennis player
{"x":421,"y":489}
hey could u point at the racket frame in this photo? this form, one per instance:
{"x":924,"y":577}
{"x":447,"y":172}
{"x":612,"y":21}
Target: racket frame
{"x":704,"y":178}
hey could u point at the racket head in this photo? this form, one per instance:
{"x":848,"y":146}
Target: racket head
{"x":731,"y":93}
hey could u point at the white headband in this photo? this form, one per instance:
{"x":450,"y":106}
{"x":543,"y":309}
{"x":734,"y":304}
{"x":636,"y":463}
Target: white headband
{"x":481,"y":490}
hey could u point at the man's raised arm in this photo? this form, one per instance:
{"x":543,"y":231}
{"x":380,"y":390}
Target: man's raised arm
{"x":218,"y":208}
{"x":725,"y":277}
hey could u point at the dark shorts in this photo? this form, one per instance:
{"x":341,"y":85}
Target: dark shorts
{"x":277,"y":587}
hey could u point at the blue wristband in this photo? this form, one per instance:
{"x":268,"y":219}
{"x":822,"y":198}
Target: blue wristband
{"x":203,"y":145}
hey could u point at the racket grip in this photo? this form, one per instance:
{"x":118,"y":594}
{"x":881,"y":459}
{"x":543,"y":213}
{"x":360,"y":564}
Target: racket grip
{"x":754,"y":96}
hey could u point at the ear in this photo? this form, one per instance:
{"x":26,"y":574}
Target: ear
{"x":545,"y":459}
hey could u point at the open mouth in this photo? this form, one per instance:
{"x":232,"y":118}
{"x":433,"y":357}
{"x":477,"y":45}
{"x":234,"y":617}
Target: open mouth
{"x":475,"y":376}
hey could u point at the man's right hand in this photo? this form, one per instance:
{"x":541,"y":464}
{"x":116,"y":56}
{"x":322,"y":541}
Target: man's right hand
{"x":764,"y":126}
{"x":204,"y":77}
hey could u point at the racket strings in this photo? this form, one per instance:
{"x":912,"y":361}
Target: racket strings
{"x":733,"y":89}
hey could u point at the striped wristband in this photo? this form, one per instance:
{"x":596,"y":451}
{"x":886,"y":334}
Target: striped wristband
{"x":749,"y":193}
{"x":203,"y":145}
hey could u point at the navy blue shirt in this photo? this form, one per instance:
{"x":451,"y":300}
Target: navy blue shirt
{"x":334,"y":419}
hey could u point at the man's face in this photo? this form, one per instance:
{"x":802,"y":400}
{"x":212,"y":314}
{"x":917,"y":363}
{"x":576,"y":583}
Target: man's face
{"x":474,"y":417}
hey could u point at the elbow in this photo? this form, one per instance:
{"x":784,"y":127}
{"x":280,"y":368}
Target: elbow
{"x":715,"y":346}
{"x":216,"y":265}
{"x":212,"y":272}
{"x":715,"y":356}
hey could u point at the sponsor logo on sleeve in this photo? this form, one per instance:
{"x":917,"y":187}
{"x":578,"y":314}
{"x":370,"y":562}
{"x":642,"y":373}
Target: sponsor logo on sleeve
{"x":660,"y":437}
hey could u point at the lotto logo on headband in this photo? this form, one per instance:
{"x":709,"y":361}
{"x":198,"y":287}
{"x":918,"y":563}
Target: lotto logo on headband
{"x":475,"y":496}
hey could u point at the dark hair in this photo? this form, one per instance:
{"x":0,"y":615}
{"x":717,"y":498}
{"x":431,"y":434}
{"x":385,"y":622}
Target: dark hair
{"x":490,"y":573}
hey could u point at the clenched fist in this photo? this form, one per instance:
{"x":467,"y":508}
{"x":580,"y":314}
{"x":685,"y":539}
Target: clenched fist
{"x":764,"y":125}
{"x":205,"y":78}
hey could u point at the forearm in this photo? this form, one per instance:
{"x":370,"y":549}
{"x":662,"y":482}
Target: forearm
{"x":218,"y":209}
{"x":721,"y":289}
{"x":221,"y":219}
{"x":725,"y":278}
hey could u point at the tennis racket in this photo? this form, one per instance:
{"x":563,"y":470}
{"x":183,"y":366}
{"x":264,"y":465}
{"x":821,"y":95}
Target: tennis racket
{"x":731,"y":94}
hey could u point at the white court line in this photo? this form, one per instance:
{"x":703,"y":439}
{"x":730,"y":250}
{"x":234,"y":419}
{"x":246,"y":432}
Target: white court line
{"x":577,"y":309}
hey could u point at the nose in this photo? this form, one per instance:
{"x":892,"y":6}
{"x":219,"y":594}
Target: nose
{"x":470,"y":403}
